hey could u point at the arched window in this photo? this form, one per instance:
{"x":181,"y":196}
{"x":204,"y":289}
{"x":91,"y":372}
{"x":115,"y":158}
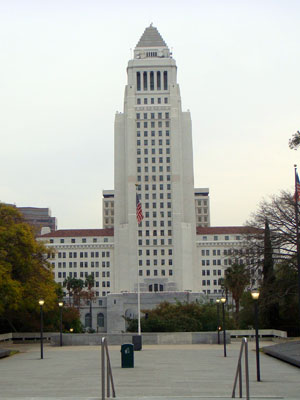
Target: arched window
{"x":155,"y":287}
{"x":100,"y":320}
{"x":138,"y":81}
{"x":87,"y":320}
{"x":161,"y":288}
{"x":150,"y":288}
{"x":145,"y":81}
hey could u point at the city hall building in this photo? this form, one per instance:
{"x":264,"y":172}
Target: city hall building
{"x":173,"y":251}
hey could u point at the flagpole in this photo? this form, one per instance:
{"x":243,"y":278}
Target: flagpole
{"x":138,"y":282}
{"x":297,"y":234}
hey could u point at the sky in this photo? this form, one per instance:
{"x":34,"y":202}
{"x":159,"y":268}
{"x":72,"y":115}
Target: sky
{"x":62,"y":79}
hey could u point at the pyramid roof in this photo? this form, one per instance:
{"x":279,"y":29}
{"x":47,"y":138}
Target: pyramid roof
{"x":151,"y":38}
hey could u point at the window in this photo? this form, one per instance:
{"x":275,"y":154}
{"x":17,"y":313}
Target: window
{"x":165,"y":80}
{"x":100,"y":320}
{"x":138,"y":81}
{"x":62,"y":240}
{"x":145,"y":80}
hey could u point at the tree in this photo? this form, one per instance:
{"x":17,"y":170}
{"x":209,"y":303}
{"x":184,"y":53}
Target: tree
{"x":237,"y":278}
{"x":279,"y":211}
{"x":269,"y":308}
{"x":77,"y":286}
{"x":25,"y":274}
{"x":179,"y":317}
{"x":68,"y":284}
{"x":295,"y":141}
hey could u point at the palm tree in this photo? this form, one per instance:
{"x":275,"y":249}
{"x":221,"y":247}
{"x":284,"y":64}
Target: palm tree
{"x":68,"y":284}
{"x":237,"y":278}
{"x":89,"y":283}
{"x":77,"y":286}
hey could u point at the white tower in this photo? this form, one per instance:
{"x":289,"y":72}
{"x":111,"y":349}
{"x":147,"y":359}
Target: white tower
{"x":153,"y":149}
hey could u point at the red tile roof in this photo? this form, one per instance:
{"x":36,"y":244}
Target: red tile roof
{"x":79,"y":233}
{"x":227,"y":230}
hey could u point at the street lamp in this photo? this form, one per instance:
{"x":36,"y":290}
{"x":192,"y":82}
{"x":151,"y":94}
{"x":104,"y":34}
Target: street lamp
{"x":255,"y":296}
{"x":71,"y":330}
{"x":223,"y":301}
{"x":60,"y":305}
{"x":218,"y":318}
{"x":41,"y":303}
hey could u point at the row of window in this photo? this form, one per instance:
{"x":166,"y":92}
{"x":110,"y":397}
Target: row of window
{"x":162,"y":214}
{"x":226,"y":252}
{"x":82,"y":264}
{"x":163,"y":272}
{"x":152,"y":142}
{"x":96,"y":293}
{"x":153,"y":133}
{"x":152,"y":80}
{"x":155,"y":252}
{"x":156,"y":262}
{"x":226,"y":237}
{"x":153,"y":115}
{"x":215,"y":282}
{"x":154,"y":242}
{"x":154,"y":150}
{"x":215,"y":272}
{"x":155,"y":187}
{"x":83,"y":240}
{"x":154,"y":160}
{"x":108,"y":204}
{"x":199,"y":202}
{"x":214,"y":262}
{"x":152,"y":100}
{"x":161,"y":205}
{"x":82,"y":254}
{"x":152,"y":124}
{"x":153,"y":168}
{"x":154,"y":233}
{"x":154,"y":223}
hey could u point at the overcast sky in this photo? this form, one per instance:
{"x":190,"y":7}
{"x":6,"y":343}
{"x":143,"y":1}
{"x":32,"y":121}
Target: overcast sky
{"x":62,"y":79}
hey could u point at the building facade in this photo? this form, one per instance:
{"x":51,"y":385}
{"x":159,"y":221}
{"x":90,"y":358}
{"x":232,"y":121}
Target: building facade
{"x":38,"y":218}
{"x":154,"y":160}
{"x":173,"y":252}
{"x":202,"y":207}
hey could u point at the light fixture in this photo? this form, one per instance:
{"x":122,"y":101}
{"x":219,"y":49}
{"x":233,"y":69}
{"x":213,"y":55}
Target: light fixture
{"x":41,"y":302}
{"x":255,"y":294}
{"x":218,"y":301}
{"x":223,"y":300}
{"x":60,"y":303}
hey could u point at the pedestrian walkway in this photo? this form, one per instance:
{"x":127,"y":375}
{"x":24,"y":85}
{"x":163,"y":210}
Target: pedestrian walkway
{"x":160,"y":372}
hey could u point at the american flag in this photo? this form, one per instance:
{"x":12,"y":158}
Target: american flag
{"x":139,"y":211}
{"x":297,"y":188}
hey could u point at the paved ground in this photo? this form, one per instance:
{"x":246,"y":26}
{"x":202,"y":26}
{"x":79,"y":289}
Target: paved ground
{"x":289,"y":352}
{"x":187,"y":371}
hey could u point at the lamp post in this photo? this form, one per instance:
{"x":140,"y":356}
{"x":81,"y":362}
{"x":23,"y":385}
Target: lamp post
{"x":41,"y":303}
{"x":218,"y":318}
{"x":223,"y":301}
{"x":255,"y":296}
{"x":60,"y":305}
{"x":71,"y":330}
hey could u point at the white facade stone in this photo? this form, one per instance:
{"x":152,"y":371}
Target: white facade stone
{"x":153,"y":150}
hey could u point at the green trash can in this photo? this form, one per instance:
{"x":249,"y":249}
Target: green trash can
{"x":127,"y":355}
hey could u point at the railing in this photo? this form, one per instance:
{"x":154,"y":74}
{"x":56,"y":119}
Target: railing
{"x":244,"y":346}
{"x":109,"y":378}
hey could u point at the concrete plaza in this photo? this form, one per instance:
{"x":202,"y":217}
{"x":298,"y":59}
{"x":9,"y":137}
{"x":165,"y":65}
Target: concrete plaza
{"x":165,"y":371}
